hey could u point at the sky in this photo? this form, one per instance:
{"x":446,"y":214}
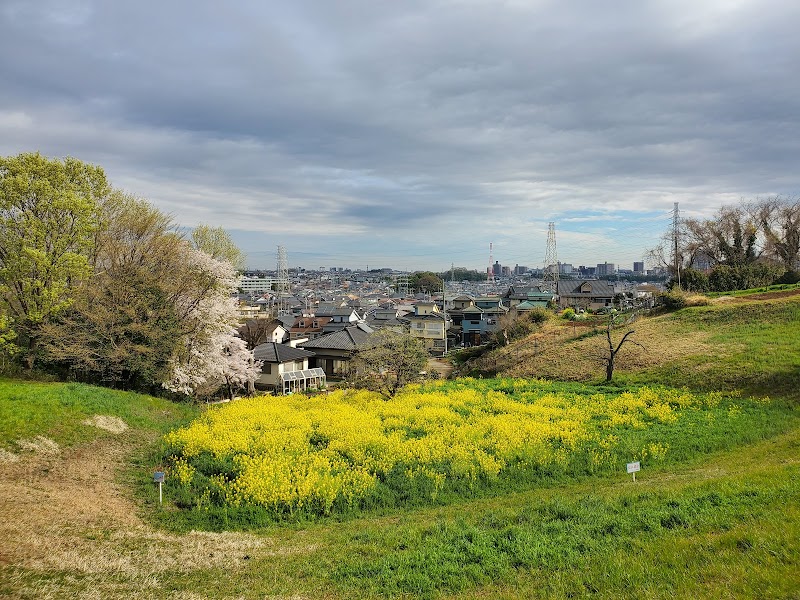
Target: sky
{"x":413,"y":134}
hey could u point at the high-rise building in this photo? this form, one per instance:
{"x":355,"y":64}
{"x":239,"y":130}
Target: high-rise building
{"x":497,"y":269}
{"x":638,"y":268}
{"x":606,"y":268}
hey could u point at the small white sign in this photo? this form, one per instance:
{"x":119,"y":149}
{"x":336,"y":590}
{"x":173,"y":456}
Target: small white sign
{"x":634,"y":466}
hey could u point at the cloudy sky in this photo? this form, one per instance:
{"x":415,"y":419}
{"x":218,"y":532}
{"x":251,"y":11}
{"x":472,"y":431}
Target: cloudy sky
{"x":412,"y":134}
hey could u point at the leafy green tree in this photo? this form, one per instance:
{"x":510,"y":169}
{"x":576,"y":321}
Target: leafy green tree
{"x":124,"y":325}
{"x":693,"y":280}
{"x":217,"y":243}
{"x":48,"y":219}
{"x":426,"y":282}
{"x":391,"y":362}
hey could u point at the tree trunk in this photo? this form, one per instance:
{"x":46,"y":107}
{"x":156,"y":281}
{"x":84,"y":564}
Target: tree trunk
{"x":610,"y":368}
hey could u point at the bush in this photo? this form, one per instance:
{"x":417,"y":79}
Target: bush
{"x":789,"y":277}
{"x":674,"y":299}
{"x":538,"y":315}
{"x":568,"y":314}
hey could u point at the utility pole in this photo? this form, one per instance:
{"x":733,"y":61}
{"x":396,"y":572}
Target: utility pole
{"x":490,"y":270}
{"x":444,"y":310}
{"x":675,"y":221}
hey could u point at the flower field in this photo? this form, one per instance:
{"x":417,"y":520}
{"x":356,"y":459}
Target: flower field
{"x":352,"y":449}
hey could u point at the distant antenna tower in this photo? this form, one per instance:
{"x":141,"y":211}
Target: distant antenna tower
{"x":550,"y":276}
{"x":490,"y":270}
{"x":282,"y":281}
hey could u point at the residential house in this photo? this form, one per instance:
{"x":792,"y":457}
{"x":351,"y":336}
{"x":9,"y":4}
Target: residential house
{"x":385,"y":318}
{"x":533,"y":296}
{"x":474,"y":326}
{"x":285,"y":369}
{"x":591,"y":294}
{"x":479,"y":320}
{"x":339,"y":318}
{"x":429,"y":325}
{"x":308,"y":327}
{"x":333,"y":351}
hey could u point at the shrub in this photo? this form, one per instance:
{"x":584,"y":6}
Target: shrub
{"x":568,"y":314}
{"x":674,"y":299}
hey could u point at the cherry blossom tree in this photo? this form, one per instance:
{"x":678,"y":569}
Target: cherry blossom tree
{"x":210,"y":354}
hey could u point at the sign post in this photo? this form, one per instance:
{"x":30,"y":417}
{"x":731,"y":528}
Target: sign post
{"x":632,"y":468}
{"x":158,"y":477}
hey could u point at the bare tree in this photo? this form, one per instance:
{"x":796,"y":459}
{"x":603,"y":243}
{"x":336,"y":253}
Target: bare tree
{"x":257,"y":331}
{"x":608,"y":356}
{"x":779,"y":219}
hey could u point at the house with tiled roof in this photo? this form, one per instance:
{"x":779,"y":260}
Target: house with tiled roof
{"x":591,"y":294}
{"x":308,"y":326}
{"x":285,"y":369}
{"x":339,"y":318}
{"x":334,"y":351}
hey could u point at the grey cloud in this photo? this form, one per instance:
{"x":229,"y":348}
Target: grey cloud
{"x":397,"y":115}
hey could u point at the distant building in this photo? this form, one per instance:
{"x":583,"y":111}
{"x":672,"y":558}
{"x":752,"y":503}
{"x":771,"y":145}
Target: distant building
{"x":255,"y":284}
{"x":638,"y":268}
{"x":606,"y":268}
{"x":506,"y":271}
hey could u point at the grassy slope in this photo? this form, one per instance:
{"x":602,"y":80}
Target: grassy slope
{"x":57,"y":411}
{"x":725,"y":526}
{"x":734,"y":344}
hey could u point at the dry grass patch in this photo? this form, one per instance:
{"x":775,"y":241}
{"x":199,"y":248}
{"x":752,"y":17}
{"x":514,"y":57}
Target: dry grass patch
{"x":107,"y":422}
{"x":7,"y":457}
{"x":40,"y":445}
{"x":552,"y":354}
{"x":67,"y":513}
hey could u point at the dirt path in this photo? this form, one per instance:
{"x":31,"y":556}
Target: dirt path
{"x":443,"y":367}
{"x":65,"y":512}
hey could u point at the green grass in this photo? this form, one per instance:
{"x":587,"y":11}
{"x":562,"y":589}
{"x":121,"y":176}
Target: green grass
{"x":727,"y":527}
{"x":56,"y":410}
{"x":780,"y":287}
{"x":759,"y":350}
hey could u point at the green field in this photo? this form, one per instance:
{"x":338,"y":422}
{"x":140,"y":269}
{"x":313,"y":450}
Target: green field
{"x":718,"y":516}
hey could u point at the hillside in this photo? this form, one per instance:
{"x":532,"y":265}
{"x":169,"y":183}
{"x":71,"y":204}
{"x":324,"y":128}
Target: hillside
{"x":81,"y":516}
{"x":747,"y":343}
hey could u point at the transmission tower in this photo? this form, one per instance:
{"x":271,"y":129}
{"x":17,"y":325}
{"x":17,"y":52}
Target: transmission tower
{"x":282,"y":281}
{"x":676,"y":257}
{"x":550,"y":275}
{"x":402,"y":284}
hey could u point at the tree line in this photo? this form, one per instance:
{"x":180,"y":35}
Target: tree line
{"x":746,"y":245}
{"x":98,"y":285}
